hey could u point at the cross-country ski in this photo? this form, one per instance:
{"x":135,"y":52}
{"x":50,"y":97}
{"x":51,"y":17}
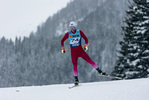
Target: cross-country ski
{"x":113,"y":77}
{"x":74,"y":86}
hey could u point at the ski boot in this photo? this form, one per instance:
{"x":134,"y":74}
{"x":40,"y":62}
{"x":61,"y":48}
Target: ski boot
{"x":101,"y":72}
{"x":76,"y":81}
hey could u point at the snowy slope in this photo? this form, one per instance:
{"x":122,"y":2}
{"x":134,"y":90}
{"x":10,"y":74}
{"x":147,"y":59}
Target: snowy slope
{"x":114,"y":90}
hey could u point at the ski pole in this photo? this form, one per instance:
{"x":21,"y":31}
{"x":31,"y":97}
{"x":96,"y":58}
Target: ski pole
{"x":67,"y":49}
{"x":89,"y":43}
{"x":87,"y":46}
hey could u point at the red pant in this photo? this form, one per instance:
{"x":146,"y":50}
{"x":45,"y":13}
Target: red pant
{"x":77,"y":52}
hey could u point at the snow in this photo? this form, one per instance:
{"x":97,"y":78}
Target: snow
{"x":137,"y":89}
{"x":131,"y":72}
{"x":135,"y":62}
{"x":146,"y":51}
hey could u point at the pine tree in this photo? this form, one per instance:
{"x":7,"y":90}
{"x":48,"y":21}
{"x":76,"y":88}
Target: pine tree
{"x":134,"y":53}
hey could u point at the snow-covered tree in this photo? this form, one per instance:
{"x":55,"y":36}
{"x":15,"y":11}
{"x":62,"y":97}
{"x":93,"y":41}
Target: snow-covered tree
{"x":133,"y":60}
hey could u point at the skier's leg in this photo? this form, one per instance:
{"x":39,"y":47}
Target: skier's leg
{"x":85,"y":56}
{"x":75,"y":71}
{"x":74,"y":59}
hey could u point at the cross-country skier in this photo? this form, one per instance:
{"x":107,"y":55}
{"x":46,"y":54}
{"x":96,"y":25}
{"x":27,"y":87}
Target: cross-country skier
{"x":74,"y":36}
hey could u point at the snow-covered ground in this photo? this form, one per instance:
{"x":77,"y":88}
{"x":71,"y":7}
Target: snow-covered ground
{"x":137,"y":89}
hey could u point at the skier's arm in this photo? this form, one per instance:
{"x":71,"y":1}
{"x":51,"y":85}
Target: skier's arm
{"x":84,"y":37}
{"x":63,"y":39}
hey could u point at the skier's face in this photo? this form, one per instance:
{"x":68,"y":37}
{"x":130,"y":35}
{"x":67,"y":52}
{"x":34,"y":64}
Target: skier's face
{"x":73,"y":29}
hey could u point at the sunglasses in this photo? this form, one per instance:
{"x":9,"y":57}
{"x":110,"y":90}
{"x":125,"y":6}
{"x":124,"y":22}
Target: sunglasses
{"x":72,"y":27}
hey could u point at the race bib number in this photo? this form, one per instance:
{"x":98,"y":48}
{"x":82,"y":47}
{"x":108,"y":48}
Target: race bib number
{"x":75,"y":40}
